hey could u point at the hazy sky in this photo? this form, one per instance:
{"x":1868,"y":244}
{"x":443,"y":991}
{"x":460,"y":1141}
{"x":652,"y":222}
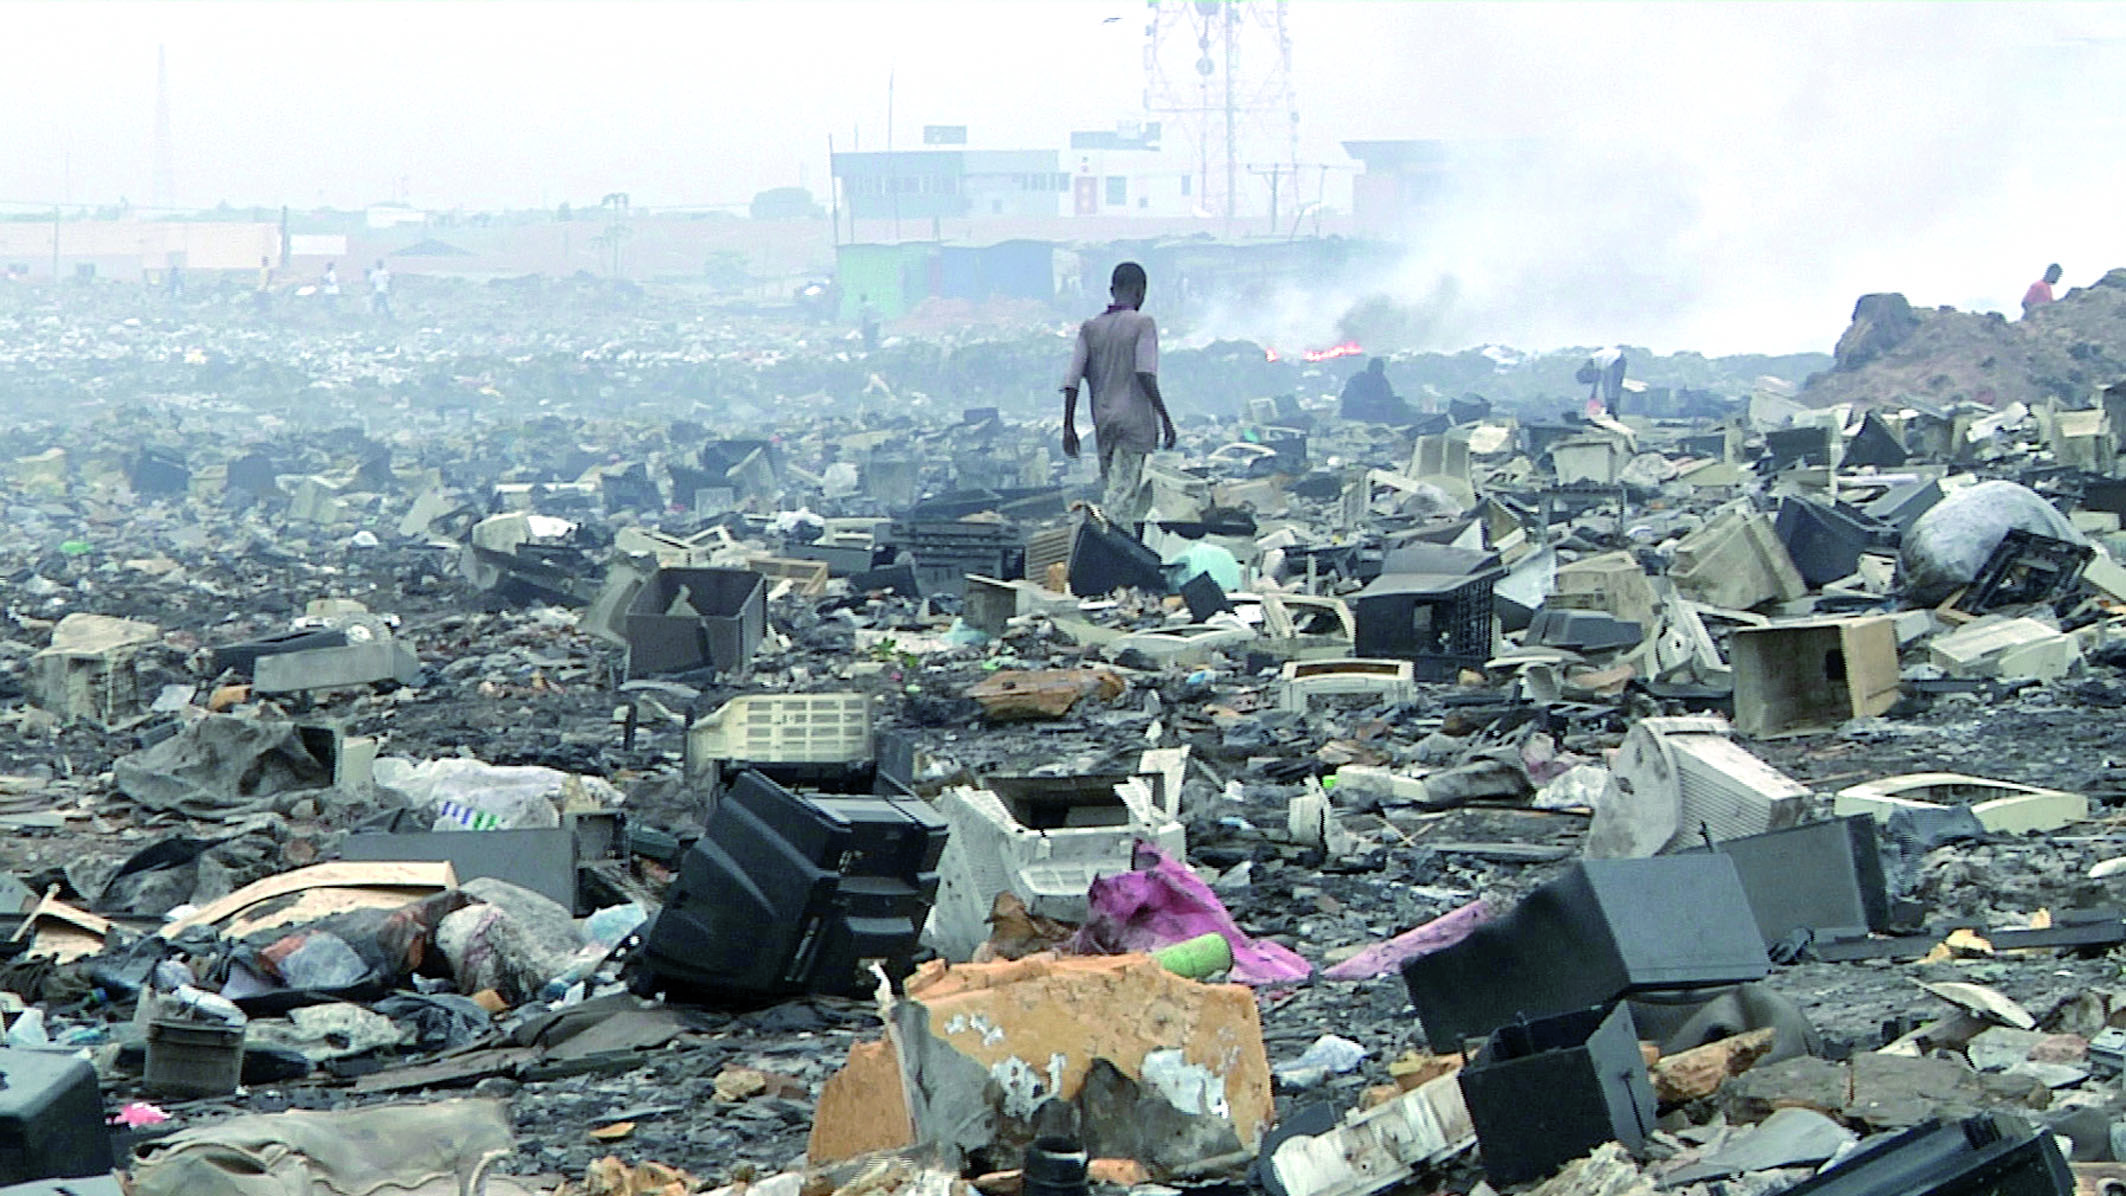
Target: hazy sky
{"x":1723,"y":175}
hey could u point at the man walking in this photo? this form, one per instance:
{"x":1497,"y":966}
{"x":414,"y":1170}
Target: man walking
{"x":867,"y":322}
{"x":1117,"y":355}
{"x":262,"y":298}
{"x":380,"y":290}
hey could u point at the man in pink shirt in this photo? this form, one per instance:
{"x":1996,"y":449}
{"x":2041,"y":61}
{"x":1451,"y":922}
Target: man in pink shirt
{"x":2040,"y":292}
{"x":1117,"y":355}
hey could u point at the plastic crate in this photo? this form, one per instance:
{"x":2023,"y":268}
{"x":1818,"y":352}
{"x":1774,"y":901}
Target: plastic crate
{"x":2026,"y":567}
{"x":1439,"y":628}
{"x":1046,"y":840}
{"x":784,"y":729}
{"x":193,"y":1058}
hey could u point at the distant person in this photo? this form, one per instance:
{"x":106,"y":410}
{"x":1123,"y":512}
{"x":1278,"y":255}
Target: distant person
{"x":1369,"y":397}
{"x":1117,"y":356}
{"x":176,"y":282}
{"x":263,"y":297}
{"x":867,"y":320}
{"x":380,"y":290}
{"x":1604,"y":376}
{"x":2040,"y":292}
{"x":329,"y":286}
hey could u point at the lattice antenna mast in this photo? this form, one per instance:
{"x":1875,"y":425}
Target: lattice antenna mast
{"x":162,"y":191}
{"x":1221,"y":73}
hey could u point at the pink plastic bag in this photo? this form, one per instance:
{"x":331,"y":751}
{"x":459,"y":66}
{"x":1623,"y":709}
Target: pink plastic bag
{"x":1384,"y":957}
{"x":1163,"y":903}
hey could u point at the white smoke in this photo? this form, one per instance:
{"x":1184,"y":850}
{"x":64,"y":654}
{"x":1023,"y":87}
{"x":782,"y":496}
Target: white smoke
{"x":1729,"y":178}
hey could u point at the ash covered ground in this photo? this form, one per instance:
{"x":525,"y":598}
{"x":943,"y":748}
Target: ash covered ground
{"x":475,"y":389}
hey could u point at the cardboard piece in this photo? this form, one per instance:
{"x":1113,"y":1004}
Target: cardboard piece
{"x":402,"y":881}
{"x":62,"y":933}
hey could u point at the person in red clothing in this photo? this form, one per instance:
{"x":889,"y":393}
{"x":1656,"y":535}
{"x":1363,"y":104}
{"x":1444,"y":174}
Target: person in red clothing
{"x":2040,"y":292}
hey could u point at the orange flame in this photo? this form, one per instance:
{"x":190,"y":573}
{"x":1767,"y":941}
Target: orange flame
{"x":1346,"y":349}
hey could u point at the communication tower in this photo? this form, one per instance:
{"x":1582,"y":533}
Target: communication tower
{"x":1220,"y":74}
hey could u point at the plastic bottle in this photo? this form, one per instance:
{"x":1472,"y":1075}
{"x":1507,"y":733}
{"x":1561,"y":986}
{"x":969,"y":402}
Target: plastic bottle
{"x":1193,"y":959}
{"x":212,"y":1006}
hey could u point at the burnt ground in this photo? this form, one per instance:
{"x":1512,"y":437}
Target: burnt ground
{"x":522,"y":687}
{"x":518,"y":687}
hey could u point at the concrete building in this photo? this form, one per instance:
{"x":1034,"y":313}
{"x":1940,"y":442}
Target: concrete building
{"x":131,"y":250}
{"x":1122,"y":172}
{"x":1013,"y":183}
{"x":927,"y":184}
{"x":380,"y":216}
{"x":1403,"y":181}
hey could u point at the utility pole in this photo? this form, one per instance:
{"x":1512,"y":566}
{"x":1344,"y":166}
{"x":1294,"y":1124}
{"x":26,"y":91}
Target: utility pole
{"x":163,"y":194}
{"x":834,"y":197}
{"x":1232,"y":129}
{"x":1276,"y":176}
{"x":617,"y":229}
{"x":893,"y":168}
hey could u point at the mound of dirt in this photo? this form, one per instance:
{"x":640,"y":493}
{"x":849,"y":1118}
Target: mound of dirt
{"x":1893,"y":353}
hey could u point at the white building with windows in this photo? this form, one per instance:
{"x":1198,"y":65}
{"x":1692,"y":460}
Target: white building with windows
{"x":1123,"y":172}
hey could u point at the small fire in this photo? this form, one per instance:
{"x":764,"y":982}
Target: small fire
{"x":1272,"y":355}
{"x":1346,"y":349}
